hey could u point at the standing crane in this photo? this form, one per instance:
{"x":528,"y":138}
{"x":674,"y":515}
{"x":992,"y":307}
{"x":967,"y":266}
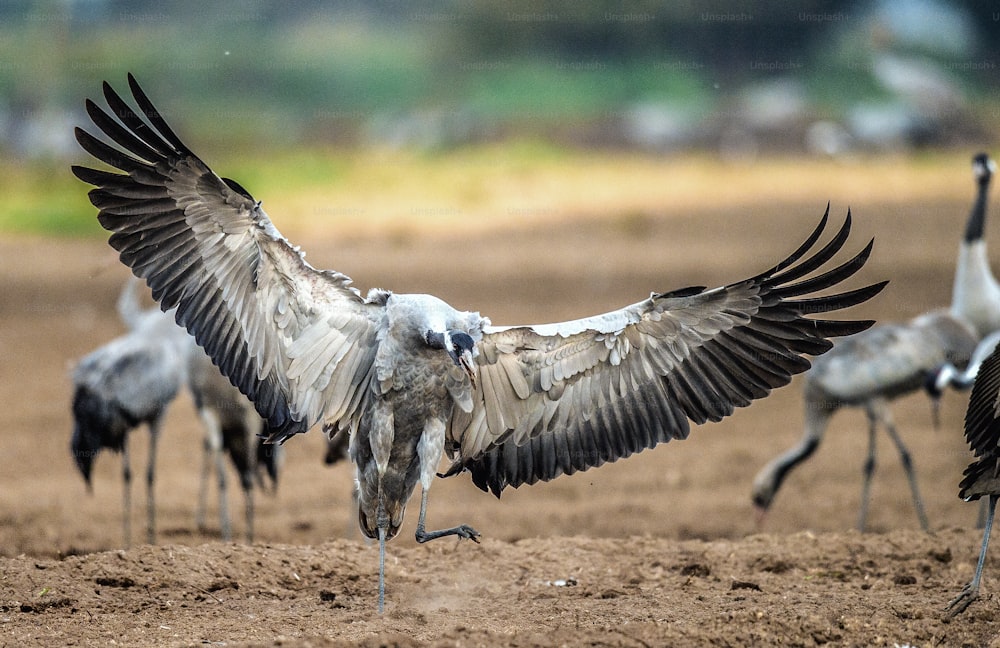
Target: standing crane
{"x":123,"y":384}
{"x":413,"y":378}
{"x":883,"y":363}
{"x":976,"y":292}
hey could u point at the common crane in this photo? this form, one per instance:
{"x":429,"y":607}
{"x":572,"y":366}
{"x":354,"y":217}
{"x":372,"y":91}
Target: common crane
{"x":892,"y":360}
{"x":121,"y":385}
{"x":412,"y":378}
{"x":976,"y":293}
{"x":868,"y":370}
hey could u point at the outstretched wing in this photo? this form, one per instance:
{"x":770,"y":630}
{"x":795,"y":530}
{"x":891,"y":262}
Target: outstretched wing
{"x":982,"y":418}
{"x":982,"y":429}
{"x":297,"y":341}
{"x":558,"y":398}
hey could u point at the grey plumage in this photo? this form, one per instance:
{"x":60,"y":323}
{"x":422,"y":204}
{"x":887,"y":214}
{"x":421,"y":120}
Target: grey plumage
{"x":409,"y":376}
{"x":123,"y":384}
{"x":982,"y":477}
{"x":948,"y":375}
{"x":868,"y":370}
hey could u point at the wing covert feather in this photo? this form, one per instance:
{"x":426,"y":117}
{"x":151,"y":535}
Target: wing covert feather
{"x":557,"y":398}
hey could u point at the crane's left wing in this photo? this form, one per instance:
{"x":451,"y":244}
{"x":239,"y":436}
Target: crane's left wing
{"x":982,"y":427}
{"x":557,"y":398}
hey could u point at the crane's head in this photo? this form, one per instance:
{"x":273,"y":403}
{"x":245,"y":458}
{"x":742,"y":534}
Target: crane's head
{"x":84,"y":452}
{"x":460,"y":346}
{"x":765,"y":487}
{"x":983,"y":168}
{"x":89,"y":416}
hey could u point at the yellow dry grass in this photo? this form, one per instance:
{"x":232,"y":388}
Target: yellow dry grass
{"x":466,"y":192}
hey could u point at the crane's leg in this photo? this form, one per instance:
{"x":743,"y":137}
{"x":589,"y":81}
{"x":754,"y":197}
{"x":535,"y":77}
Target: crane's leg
{"x":154,"y":435}
{"x":869,"y":468}
{"x":970,"y":592}
{"x":250,"y":470}
{"x":911,"y":475}
{"x":381,"y":569}
{"x":225,"y":527}
{"x":206,"y":470}
{"x":382,"y":522}
{"x":984,"y":508}
{"x":462,"y":530}
{"x":248,"y":501}
{"x":127,"y":494}
{"x":429,"y":449}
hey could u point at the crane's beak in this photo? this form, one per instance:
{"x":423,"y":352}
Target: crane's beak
{"x":759,"y":516}
{"x":466,"y":363}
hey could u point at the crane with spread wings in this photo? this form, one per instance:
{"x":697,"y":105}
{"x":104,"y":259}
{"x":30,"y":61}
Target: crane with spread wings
{"x":412,"y":378}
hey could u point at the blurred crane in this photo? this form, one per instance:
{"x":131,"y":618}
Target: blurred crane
{"x":982,"y":477}
{"x":232,"y":426}
{"x":123,"y":384}
{"x":976,"y":293}
{"x":870,"y":369}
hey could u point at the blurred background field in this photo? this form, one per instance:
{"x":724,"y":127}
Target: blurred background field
{"x":497,"y":113}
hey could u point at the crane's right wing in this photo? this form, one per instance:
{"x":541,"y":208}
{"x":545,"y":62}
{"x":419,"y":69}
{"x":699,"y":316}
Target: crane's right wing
{"x":982,"y":418}
{"x":300,"y":343}
{"x":553,"y":399}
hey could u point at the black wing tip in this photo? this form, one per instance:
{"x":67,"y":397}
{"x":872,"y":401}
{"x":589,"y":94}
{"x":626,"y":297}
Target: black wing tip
{"x":83,"y":173}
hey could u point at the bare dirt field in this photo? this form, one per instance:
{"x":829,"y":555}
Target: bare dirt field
{"x":659,"y":549}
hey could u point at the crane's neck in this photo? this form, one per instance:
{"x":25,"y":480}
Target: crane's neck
{"x":976,"y":293}
{"x":129,"y":308}
{"x":976,"y":225}
{"x":783,"y":463}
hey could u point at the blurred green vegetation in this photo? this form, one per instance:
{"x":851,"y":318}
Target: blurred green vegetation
{"x":276,"y":91}
{"x":309,"y":68}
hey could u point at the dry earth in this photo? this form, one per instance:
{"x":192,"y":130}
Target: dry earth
{"x":660,"y":549}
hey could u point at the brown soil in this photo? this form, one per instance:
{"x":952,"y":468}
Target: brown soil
{"x":660,"y":549}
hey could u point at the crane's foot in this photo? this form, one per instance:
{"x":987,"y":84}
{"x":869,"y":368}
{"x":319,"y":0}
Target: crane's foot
{"x":964,"y":599}
{"x":462,"y":531}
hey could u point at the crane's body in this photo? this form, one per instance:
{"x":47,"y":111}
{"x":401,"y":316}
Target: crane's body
{"x":868,"y":370}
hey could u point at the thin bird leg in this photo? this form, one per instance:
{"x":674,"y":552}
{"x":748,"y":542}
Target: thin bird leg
{"x":154,"y":435}
{"x":382,"y":522}
{"x":225,"y":526}
{"x":381,"y":569}
{"x":248,"y":495}
{"x":206,"y":471}
{"x":462,"y":530}
{"x":127,"y":494}
{"x":868,"y":470}
{"x":970,"y":592}
{"x":911,"y":475}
